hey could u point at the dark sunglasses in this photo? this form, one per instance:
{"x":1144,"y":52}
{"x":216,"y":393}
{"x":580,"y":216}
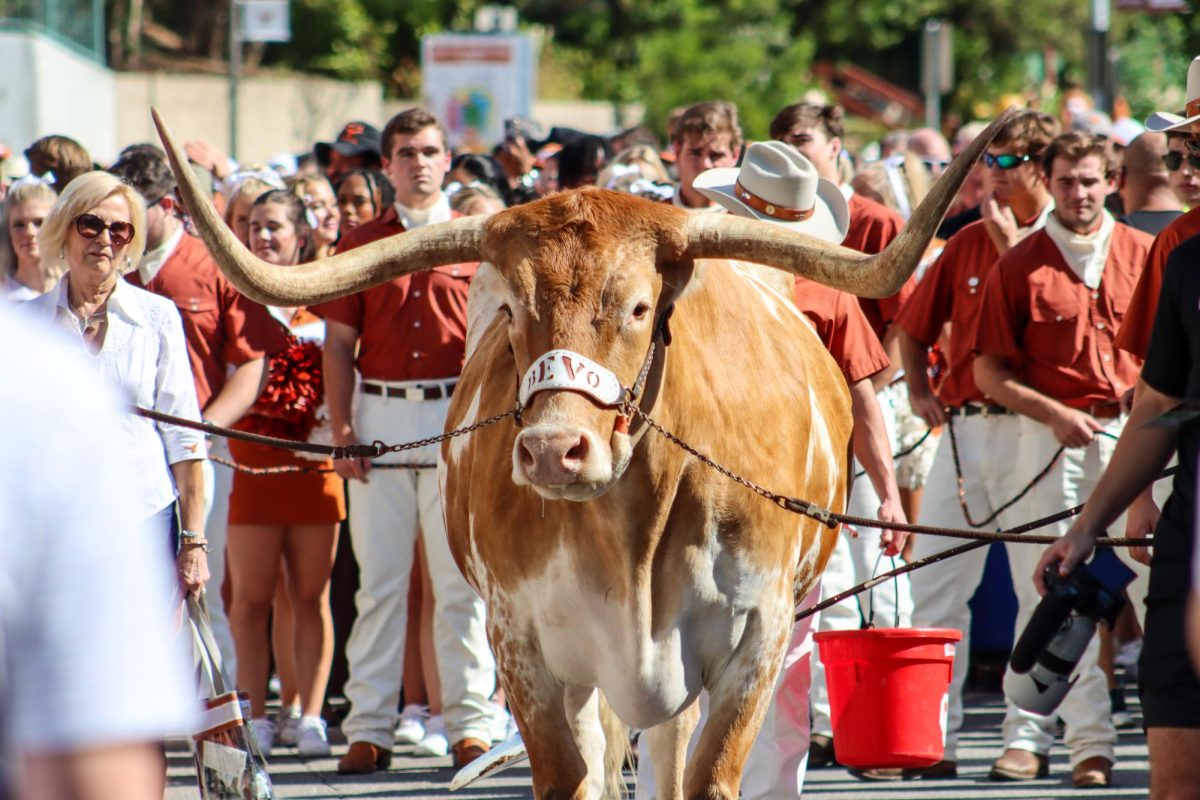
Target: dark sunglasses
{"x":1174,"y":160}
{"x":1005,"y":161}
{"x":90,"y":226}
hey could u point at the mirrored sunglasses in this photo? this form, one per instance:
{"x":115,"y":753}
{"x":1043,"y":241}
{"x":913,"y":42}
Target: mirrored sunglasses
{"x":1174,"y":160}
{"x":89,"y":226}
{"x":1004,"y":161}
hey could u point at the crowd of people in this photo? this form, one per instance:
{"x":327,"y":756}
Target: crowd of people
{"x":1027,"y":341}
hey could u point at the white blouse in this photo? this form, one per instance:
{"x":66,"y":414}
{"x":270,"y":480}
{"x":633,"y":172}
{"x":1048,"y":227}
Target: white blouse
{"x":144,"y":354}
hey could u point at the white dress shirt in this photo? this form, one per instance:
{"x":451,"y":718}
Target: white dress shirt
{"x":144,"y":355}
{"x":154,"y":259}
{"x":86,"y":654}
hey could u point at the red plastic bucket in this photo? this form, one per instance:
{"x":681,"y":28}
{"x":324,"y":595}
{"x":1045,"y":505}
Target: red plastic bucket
{"x":889,"y":691}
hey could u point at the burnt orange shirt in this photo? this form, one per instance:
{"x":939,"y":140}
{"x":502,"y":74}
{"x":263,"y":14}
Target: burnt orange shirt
{"x":1134,"y":335}
{"x":842,"y":328}
{"x":1055,"y":332}
{"x":410,"y":328}
{"x":952,"y":291}
{"x":872,"y":228}
{"x":222,"y":328}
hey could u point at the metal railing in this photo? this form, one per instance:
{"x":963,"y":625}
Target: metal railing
{"x":77,"y":23}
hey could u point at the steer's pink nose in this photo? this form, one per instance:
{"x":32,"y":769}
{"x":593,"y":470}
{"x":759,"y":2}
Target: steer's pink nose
{"x":553,"y":457}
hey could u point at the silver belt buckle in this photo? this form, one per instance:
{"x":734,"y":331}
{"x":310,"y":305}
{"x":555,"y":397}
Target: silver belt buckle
{"x":414,"y":393}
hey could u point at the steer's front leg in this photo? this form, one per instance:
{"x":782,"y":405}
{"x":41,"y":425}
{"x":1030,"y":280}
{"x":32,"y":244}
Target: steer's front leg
{"x":738,"y":700}
{"x":559,"y":769}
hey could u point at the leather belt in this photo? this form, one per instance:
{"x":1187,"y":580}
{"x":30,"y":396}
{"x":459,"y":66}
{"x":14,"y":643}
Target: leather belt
{"x":1109,"y":410}
{"x":435,"y":391}
{"x":971,"y":410}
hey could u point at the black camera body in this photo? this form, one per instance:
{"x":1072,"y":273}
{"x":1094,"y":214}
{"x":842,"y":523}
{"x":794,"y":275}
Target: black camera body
{"x":1058,"y":633}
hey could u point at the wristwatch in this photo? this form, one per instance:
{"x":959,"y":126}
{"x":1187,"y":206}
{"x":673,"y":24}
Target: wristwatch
{"x":193,"y":538}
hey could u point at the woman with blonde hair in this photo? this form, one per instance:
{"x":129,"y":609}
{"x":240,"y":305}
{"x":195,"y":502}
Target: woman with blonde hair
{"x":97,"y":231}
{"x":26,"y":274}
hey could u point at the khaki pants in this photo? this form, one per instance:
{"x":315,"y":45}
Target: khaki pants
{"x":386,"y":516}
{"x":988,"y":451}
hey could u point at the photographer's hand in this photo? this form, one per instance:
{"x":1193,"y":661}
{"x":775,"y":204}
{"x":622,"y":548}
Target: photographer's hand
{"x":1068,"y":552}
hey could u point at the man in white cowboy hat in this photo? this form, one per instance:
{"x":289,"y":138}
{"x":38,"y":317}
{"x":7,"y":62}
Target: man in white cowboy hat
{"x":778,"y":185}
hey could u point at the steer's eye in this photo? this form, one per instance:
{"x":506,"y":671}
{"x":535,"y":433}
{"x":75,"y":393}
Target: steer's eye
{"x":641,"y":310}
{"x":507,"y":311}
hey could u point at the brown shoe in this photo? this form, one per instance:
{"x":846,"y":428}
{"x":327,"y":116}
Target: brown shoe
{"x":1094,"y":771}
{"x":943,"y":770}
{"x":878,"y":774}
{"x":1019,"y":765}
{"x":363,"y":758}
{"x":468,"y":750}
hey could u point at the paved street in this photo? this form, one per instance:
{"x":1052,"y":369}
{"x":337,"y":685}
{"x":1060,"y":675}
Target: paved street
{"x":415,"y":778}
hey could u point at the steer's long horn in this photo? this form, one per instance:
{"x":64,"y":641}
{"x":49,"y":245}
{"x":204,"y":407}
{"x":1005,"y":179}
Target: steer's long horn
{"x":882,"y":275}
{"x":446,"y":243}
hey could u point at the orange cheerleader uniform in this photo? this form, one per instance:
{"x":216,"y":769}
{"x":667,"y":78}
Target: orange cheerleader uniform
{"x":287,"y":408}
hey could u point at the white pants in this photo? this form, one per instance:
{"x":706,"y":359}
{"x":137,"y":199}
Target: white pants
{"x":778,"y":760}
{"x":856,"y":559}
{"x":386,"y":515}
{"x":988,"y":451}
{"x":1086,"y":708}
{"x":218,"y":483}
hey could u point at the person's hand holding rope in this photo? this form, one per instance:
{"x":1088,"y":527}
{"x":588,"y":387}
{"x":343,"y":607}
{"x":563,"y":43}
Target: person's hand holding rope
{"x":1074,"y":428}
{"x":350,"y":469}
{"x":890,"y":541}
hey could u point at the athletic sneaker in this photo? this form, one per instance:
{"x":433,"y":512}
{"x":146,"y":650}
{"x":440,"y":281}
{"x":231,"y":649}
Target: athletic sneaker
{"x":434,"y":743}
{"x":313,"y":739}
{"x":263,"y":730}
{"x":287,"y":726}
{"x":411,"y":727}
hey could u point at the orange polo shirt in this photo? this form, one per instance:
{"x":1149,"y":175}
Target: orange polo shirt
{"x":872,"y":228}
{"x":1134,"y":335}
{"x":410,"y":328}
{"x":1056,"y":333}
{"x":952,"y":291}
{"x":842,"y":328}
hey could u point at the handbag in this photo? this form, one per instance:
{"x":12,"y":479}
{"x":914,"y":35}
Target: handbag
{"x":229,"y":762}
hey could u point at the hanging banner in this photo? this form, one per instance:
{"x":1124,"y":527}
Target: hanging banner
{"x":474,"y":82}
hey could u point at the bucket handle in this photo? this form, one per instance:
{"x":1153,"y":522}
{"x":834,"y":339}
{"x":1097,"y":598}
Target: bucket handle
{"x":868,"y":619}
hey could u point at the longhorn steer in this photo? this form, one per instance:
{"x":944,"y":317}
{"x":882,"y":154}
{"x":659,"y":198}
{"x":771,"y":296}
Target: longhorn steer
{"x":621,"y":574}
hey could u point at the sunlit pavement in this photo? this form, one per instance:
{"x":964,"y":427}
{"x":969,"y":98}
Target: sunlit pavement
{"x":414,"y":778}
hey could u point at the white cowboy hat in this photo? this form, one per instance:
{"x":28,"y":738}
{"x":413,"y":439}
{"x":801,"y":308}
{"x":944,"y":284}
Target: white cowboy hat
{"x":777,"y":184}
{"x":1163,"y":121}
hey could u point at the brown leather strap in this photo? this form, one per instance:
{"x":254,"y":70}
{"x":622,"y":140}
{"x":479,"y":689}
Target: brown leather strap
{"x":770,"y":209}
